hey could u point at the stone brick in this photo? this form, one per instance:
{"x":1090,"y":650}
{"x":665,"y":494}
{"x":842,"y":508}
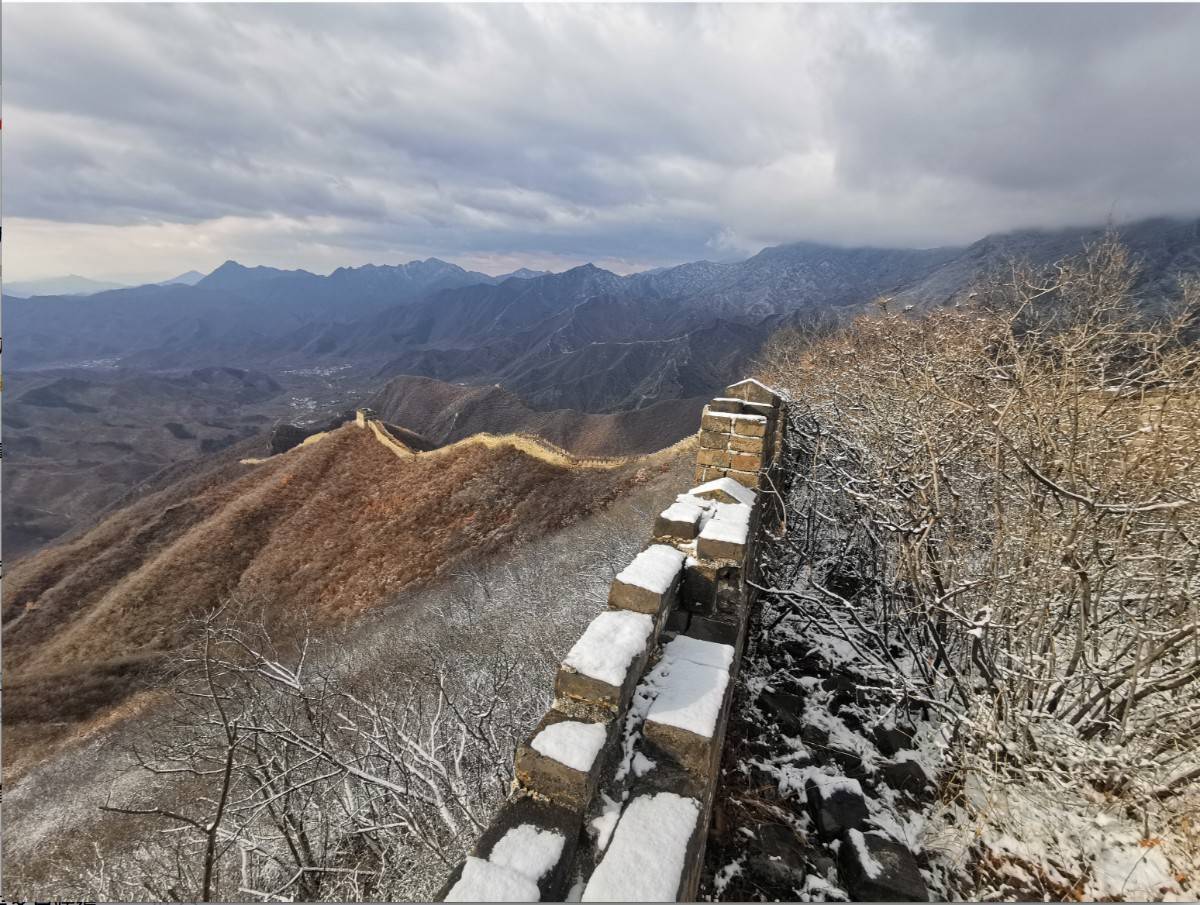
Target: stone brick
{"x":726,"y":404}
{"x":892,"y":876}
{"x":622,"y":596}
{"x":745,"y":478}
{"x":760,"y":408}
{"x":578,"y":687}
{"x":745,"y":462}
{"x":747,"y":444}
{"x":681,"y":529}
{"x":721,"y":424}
{"x":718,"y":457}
{"x":554,"y":780}
{"x":714,"y":548}
{"x":696,"y":754}
{"x":699,"y":474}
{"x":749,"y":427}
{"x":715,"y":439}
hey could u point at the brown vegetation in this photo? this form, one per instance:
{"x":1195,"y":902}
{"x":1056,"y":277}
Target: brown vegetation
{"x":323,"y":532}
{"x":1006,"y":495}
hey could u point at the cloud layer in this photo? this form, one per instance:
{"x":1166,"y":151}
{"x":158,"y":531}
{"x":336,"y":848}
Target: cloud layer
{"x":154,"y":139}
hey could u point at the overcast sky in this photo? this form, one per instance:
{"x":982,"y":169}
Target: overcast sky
{"x":145,"y":141}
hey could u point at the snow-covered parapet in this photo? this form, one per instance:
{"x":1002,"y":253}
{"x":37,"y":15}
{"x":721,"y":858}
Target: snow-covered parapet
{"x":626,"y":763}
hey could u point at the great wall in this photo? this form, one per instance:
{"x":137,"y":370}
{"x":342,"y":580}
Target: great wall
{"x":614,"y":788}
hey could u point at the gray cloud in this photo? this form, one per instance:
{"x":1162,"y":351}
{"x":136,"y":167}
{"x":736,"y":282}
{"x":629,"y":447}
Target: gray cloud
{"x":158,"y":138}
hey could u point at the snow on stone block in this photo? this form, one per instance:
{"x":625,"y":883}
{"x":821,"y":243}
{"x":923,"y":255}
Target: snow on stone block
{"x":724,"y":490}
{"x":680,"y":520}
{"x":511,"y":872}
{"x":646,"y":859}
{"x":482,"y":881}
{"x":647,"y":584}
{"x":560,"y":762}
{"x":690,"y":697}
{"x":877,"y":869}
{"x":723,"y":540}
{"x":597,"y":669}
{"x":751,"y":390}
{"x":736,"y":513}
{"x":703,"y":653}
{"x":609,"y":644}
{"x":572,"y":743}
{"x":528,"y":850}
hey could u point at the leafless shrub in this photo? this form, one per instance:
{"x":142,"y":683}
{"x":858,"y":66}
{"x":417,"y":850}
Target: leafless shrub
{"x":1008,"y":496}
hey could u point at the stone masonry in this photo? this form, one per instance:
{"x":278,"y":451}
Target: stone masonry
{"x":615,"y":785}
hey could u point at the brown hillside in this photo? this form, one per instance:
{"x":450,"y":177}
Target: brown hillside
{"x":326,"y":531}
{"x":446,"y":412}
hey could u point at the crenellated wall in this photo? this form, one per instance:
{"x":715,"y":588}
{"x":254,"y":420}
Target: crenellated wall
{"x":613,"y":789}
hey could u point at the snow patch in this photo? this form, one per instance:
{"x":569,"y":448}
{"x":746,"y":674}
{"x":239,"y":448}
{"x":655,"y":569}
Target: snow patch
{"x":739,"y":492}
{"x":654,"y":568}
{"x":482,"y":881}
{"x":645,"y":861}
{"x":609,"y":644}
{"x":572,"y":743}
{"x":528,"y":850}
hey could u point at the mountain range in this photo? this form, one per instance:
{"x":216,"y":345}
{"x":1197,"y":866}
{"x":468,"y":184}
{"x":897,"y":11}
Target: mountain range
{"x":586,"y":339}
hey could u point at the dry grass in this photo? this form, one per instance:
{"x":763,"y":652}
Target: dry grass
{"x":322,"y":533}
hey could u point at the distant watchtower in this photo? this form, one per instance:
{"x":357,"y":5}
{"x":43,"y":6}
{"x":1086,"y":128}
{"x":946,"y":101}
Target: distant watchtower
{"x":362,"y":416}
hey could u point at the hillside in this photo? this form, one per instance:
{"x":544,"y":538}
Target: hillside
{"x":324,"y":533}
{"x":446,"y":412}
{"x":80,"y":440}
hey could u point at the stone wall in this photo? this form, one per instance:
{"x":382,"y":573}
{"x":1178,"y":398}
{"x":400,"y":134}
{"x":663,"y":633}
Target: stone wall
{"x":613,"y":789}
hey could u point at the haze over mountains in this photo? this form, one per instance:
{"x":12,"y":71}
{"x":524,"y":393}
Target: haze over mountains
{"x":536,"y":334}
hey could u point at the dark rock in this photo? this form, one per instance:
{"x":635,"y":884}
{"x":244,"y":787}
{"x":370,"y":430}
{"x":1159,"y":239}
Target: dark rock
{"x":892,"y":739}
{"x":906,"y":776}
{"x":850,"y":761}
{"x":777,"y":860}
{"x":837,"y":805}
{"x":784,"y":708}
{"x":876,"y":869}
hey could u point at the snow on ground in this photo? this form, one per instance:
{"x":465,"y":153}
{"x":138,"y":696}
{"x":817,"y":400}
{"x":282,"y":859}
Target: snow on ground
{"x":604,"y":825}
{"x":609,"y":644}
{"x":1042,"y":833}
{"x":644,"y":861}
{"x":654,"y":569}
{"x":572,"y":743}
